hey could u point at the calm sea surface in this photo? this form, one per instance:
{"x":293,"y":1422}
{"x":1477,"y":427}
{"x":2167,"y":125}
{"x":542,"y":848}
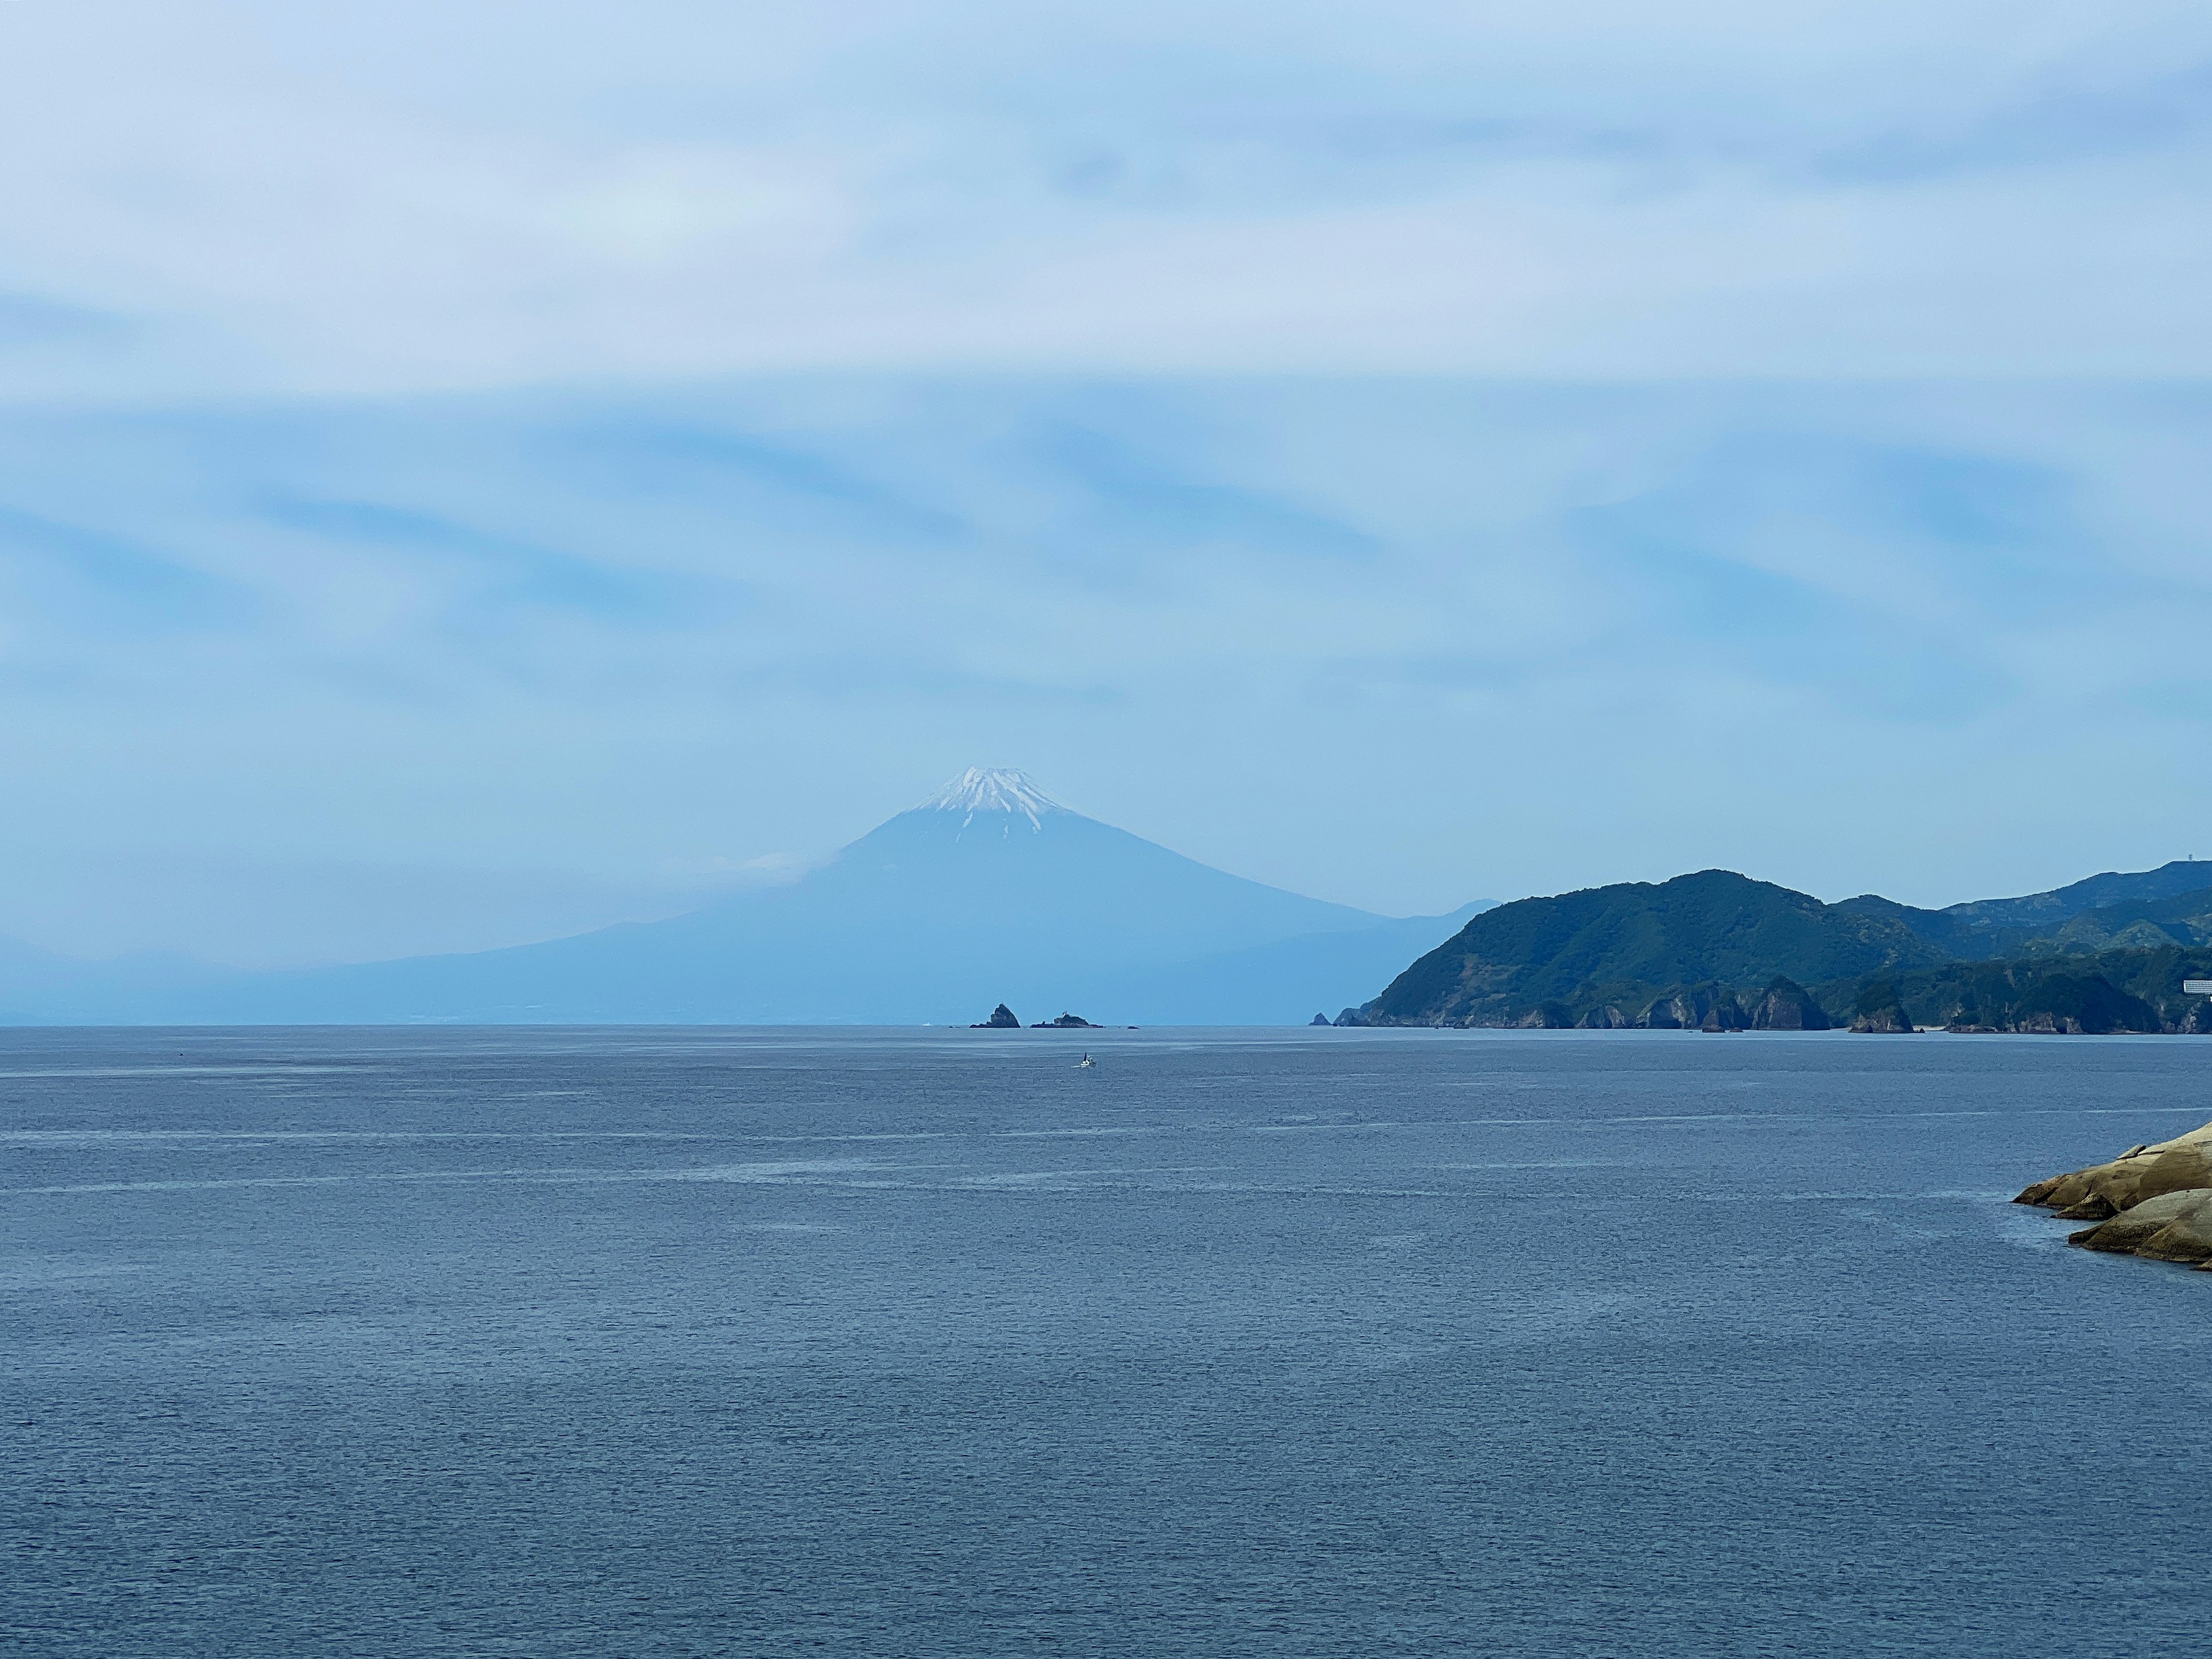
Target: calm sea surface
{"x":335,"y":1343}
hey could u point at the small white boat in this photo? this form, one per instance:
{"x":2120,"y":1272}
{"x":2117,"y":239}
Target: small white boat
{"x":1085,"y":1060}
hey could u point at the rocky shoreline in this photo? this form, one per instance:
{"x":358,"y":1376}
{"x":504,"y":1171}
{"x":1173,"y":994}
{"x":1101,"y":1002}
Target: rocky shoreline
{"x":2152,"y":1200}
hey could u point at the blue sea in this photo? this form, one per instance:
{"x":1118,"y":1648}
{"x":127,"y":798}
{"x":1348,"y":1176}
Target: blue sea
{"x":919,"y":1344}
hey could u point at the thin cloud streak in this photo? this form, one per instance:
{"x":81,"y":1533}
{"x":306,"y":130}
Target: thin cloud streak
{"x":474,"y":198}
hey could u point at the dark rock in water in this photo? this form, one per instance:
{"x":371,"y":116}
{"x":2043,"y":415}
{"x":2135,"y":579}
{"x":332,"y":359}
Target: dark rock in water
{"x":1787,"y":1007}
{"x":1319,"y":1019}
{"x":1689,"y":1008}
{"x":1066,"y":1023}
{"x":1550,"y":1017}
{"x":1002,"y":1019}
{"x":1725,"y":1015}
{"x":1890,"y":1021}
{"x":1878,"y":1009}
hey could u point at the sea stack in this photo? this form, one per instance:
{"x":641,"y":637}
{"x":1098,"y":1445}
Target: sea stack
{"x":1787,"y":1005}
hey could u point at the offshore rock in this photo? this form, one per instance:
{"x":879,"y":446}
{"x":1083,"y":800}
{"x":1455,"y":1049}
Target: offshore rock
{"x":1787,"y":1007}
{"x":2137,"y":1176}
{"x":1318,"y":1020}
{"x":1725,"y":1015}
{"x":1689,"y":1008}
{"x":2172,"y":1227}
{"x":1886,"y":1021}
{"x":1878,"y":1008}
{"x":1547,"y":1017}
{"x":1065,"y":1022}
{"x":1002,"y":1019}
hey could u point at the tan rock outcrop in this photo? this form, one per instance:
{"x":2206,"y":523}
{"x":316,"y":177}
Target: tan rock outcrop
{"x":2141,"y":1172}
{"x":2172,"y":1227}
{"x":2154,"y":1200}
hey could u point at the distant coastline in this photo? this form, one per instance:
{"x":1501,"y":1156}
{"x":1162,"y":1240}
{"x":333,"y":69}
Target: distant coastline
{"x":1718,"y":951}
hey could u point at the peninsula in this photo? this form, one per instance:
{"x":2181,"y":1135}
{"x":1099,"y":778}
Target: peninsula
{"x":1719,"y":951}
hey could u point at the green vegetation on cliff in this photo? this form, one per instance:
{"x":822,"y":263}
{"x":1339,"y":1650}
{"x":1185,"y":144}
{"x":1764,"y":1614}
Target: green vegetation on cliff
{"x":1627,"y":954}
{"x":1720,"y":952}
{"x":2110,"y":990}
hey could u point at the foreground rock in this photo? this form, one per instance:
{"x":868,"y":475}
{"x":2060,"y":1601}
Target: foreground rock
{"x":2141,"y":1172}
{"x":2172,"y":1227}
{"x":2151,"y":1201}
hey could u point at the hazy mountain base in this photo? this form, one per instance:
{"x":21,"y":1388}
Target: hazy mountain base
{"x":987,"y":893}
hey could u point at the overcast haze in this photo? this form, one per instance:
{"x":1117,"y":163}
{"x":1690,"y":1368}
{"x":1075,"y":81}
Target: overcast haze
{"x":469,"y":473}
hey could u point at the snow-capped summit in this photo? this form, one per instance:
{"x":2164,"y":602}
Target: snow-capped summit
{"x":992,"y":789}
{"x":935,"y":914}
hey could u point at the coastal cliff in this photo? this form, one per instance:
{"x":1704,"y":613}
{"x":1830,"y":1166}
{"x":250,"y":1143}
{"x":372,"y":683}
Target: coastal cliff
{"x":1718,"y":951}
{"x":1713,"y":951}
{"x":2152,"y":1200}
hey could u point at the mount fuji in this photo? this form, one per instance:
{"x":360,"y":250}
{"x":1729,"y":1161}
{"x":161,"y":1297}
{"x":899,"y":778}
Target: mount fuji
{"x":989,"y":891}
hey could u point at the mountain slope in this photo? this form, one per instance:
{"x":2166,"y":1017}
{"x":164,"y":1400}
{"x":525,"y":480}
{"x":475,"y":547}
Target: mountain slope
{"x":2135,"y":924}
{"x":2113,"y":990}
{"x":2044,"y":913}
{"x":1270,"y":984}
{"x":2083,"y":915}
{"x":988,"y":892}
{"x":1557,"y":960}
{"x":40,"y":986}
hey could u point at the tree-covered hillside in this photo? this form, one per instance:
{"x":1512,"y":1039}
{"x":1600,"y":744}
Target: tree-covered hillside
{"x":1607,"y":954}
{"x":1722,"y":951}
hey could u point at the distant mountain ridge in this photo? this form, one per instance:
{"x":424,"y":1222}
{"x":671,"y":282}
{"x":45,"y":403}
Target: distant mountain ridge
{"x":2038,"y":911}
{"x":1637,"y":953}
{"x":1985,"y":929}
{"x":989,"y":891}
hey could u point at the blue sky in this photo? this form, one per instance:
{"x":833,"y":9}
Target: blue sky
{"x":469,"y":473}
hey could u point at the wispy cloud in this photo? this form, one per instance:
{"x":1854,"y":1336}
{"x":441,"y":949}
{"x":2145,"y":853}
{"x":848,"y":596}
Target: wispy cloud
{"x":1558,"y":618}
{"x":499,"y":574}
{"x":1525,"y":446}
{"x":101,"y":583}
{"x":460,"y":198}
